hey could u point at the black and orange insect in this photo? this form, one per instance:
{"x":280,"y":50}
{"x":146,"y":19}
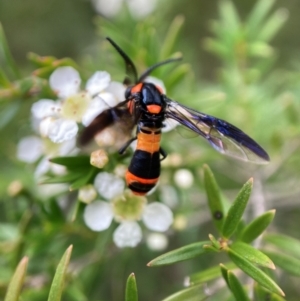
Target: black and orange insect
{"x":147,"y":107}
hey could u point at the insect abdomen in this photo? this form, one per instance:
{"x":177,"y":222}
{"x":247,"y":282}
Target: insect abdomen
{"x":144,"y":169}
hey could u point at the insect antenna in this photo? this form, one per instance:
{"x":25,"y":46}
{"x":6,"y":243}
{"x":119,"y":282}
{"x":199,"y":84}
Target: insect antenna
{"x":131,"y":72}
{"x":150,"y":69}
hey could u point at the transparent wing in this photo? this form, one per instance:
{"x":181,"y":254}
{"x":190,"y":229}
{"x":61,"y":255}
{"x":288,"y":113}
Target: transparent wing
{"x":223,"y":136}
{"x":118,"y":115}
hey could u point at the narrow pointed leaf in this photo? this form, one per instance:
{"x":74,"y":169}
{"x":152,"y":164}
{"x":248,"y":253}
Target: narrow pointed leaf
{"x":261,"y":294}
{"x":237,"y":288}
{"x":255,"y":273}
{"x":195,"y":293}
{"x":286,"y":262}
{"x":170,"y":38}
{"x":16,"y":282}
{"x":8,"y":58}
{"x":4,"y":81}
{"x":67,"y":178}
{"x":272,"y":25}
{"x":8,"y":113}
{"x":257,"y":226}
{"x":208,"y":274}
{"x":284,"y":243}
{"x":84,"y":179}
{"x":214,"y":198}
{"x":131,"y":289}
{"x":253,"y":255}
{"x":72,"y":162}
{"x":236,"y":210}
{"x":230,"y":16}
{"x":181,"y":254}
{"x":257,"y":15}
{"x":224,"y":272}
{"x":59,"y":277}
{"x":214,"y":241}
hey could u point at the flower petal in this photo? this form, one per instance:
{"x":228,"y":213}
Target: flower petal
{"x":45,"y":108}
{"x":29,"y":149}
{"x":108,"y":185}
{"x":98,"y":82}
{"x":87,"y":194}
{"x":157,"y":217}
{"x":42,"y":167}
{"x":183,"y":178}
{"x":98,"y":215}
{"x":61,"y":130}
{"x":108,"y":98}
{"x":128,"y":234}
{"x":107,"y":8}
{"x":65,"y":81}
{"x":67,"y":147}
{"x":157,"y":241}
{"x":141,"y":8}
{"x":117,"y":89}
{"x":95,"y":107}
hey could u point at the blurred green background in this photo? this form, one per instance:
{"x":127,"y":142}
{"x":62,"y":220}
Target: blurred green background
{"x":256,"y":89}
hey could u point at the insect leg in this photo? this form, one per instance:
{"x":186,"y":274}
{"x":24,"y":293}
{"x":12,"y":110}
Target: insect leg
{"x":163,"y":153}
{"x":125,"y":146}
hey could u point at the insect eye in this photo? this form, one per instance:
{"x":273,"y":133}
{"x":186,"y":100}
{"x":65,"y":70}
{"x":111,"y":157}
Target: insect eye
{"x":128,"y":93}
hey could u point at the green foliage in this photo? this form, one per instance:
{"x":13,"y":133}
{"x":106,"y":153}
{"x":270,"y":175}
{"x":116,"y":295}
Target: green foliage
{"x":16,"y":283}
{"x":248,"y":89}
{"x":131,"y":289}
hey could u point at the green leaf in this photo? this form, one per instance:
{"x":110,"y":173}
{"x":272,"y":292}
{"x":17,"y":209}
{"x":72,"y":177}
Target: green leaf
{"x":195,"y":293}
{"x":208,"y":274}
{"x":261,"y":294}
{"x":255,"y":273}
{"x":272,"y":25}
{"x":224,"y":272}
{"x":257,"y":226}
{"x":8,"y":58}
{"x":286,"y":262}
{"x":171,"y":36}
{"x":257,"y":15}
{"x":131,"y":289}
{"x":67,"y":178}
{"x":236,"y":288}
{"x":16,"y":282}
{"x":214,"y":198}
{"x":8,"y":113}
{"x":284,"y":243}
{"x":229,"y":16}
{"x":41,"y":61}
{"x":253,"y":255}
{"x":59,"y":277}
{"x":236,"y":211}
{"x":84,"y":179}
{"x":177,"y":75}
{"x":72,"y":162}
{"x":181,"y":254}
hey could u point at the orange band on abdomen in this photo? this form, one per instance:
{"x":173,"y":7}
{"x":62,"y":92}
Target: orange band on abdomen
{"x":148,"y":142}
{"x":130,"y":178}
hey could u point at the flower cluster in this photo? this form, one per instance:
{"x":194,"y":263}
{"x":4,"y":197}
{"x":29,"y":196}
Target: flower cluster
{"x":56,"y":124}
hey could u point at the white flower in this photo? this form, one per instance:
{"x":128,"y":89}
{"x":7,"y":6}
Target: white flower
{"x":108,"y":185}
{"x":128,"y":209}
{"x":138,"y":8}
{"x":157,"y":241}
{"x":58,"y":119}
{"x":31,"y":148}
{"x":183,"y":178}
